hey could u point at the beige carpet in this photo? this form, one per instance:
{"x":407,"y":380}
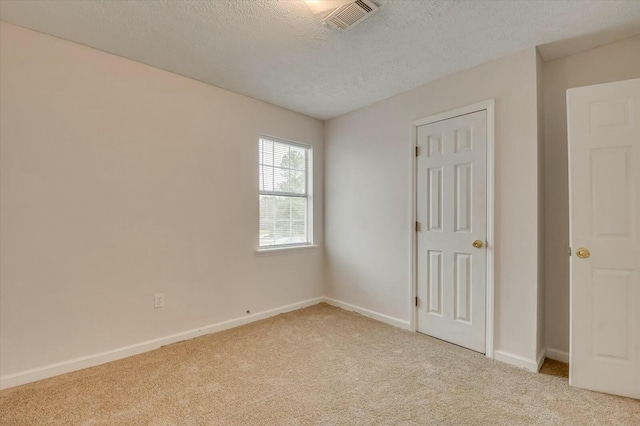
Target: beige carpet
{"x":320,"y":365}
{"x":555,"y":368}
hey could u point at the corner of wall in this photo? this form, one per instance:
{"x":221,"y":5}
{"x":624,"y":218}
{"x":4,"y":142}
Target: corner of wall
{"x":540,"y":335}
{"x":616,"y":61}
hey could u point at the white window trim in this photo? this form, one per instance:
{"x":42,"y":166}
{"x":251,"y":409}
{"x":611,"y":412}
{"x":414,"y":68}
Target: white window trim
{"x":276,"y":250}
{"x":289,"y":248}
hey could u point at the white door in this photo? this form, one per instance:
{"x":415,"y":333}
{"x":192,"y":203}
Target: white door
{"x":452,"y":216}
{"x":604,"y":176}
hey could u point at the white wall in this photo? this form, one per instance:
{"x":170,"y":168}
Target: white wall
{"x":119,"y":180}
{"x":616,"y":61}
{"x":368,"y":159}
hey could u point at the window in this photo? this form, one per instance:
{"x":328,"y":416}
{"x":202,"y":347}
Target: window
{"x":284,"y":172}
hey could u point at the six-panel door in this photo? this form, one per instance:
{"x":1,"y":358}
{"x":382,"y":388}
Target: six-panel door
{"x":604,"y":145}
{"x":452,"y":212}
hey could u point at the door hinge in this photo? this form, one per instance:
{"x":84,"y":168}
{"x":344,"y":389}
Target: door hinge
{"x":416,"y":301}
{"x":417,"y":151}
{"x":418,"y":227}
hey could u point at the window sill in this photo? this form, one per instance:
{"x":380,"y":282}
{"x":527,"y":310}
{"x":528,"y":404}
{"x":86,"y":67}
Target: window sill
{"x":285,"y":250}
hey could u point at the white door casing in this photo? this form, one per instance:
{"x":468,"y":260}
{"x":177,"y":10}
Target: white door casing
{"x":451,"y":208}
{"x":604,"y":181}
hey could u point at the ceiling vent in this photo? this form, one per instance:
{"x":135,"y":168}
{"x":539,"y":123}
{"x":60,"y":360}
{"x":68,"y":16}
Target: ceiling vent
{"x":348,"y":16}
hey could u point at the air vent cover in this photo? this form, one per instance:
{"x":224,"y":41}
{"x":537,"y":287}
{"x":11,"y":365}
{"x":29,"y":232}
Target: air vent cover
{"x":348,"y":16}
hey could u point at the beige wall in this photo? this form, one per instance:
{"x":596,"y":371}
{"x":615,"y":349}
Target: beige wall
{"x":368,"y":157}
{"x":616,"y":61}
{"x":118,"y":181}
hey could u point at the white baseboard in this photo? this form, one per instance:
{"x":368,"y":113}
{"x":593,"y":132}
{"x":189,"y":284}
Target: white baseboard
{"x":517,"y":360}
{"x":541,"y":357}
{"x":396,"y":322}
{"x":80,"y":363}
{"x":558,"y":355}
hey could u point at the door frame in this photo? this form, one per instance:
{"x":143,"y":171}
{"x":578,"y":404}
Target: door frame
{"x":489,"y":107}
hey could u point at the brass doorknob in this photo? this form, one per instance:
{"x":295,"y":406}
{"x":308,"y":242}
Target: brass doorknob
{"x":478,"y":244}
{"x":583,"y":253}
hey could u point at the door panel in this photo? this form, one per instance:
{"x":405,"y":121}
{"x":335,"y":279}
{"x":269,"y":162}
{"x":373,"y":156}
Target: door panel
{"x":451,"y":208}
{"x":604,"y":168}
{"x":611,"y":199}
{"x":434,"y":295}
{"x":435,"y":199}
{"x":462,"y":199}
{"x":462,"y":299}
{"x":612,"y":291}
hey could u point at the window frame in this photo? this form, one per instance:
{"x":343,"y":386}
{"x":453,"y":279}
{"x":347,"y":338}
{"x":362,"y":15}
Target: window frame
{"x":281,"y":248}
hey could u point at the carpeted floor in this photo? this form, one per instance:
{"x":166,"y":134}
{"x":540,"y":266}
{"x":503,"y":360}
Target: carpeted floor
{"x":555,"y":368}
{"x":319,"y":365}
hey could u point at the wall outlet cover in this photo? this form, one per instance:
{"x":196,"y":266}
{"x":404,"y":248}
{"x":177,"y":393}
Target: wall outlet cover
{"x":159,"y":300}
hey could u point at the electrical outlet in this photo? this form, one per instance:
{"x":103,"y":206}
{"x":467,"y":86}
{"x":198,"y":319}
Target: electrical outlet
{"x":159,"y":300}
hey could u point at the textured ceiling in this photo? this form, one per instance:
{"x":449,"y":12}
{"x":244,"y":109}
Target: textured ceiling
{"x":278,"y":51}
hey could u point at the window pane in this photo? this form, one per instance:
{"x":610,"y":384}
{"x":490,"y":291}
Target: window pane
{"x":298,"y":158}
{"x":266,"y":178}
{"x":266,"y":152}
{"x":283,"y":208}
{"x":280,"y":155}
{"x":281,"y":180}
{"x":283,"y":220}
{"x":299,"y":232}
{"x":267,"y":220}
{"x":283,"y":169}
{"x":298,"y":209}
{"x":297,"y":184}
{"x":283,"y":232}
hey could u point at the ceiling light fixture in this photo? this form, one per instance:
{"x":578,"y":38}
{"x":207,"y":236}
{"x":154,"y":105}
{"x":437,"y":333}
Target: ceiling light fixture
{"x":319,"y":6}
